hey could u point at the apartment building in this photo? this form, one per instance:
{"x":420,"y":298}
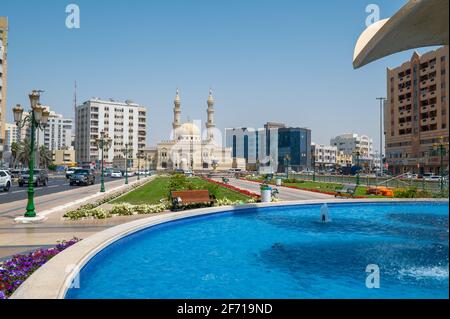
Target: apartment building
{"x":57,"y":135}
{"x":355,"y":144}
{"x":124,"y":122}
{"x":323,"y":156}
{"x":416,"y":112}
{"x":12,"y":135}
{"x":3,"y":78}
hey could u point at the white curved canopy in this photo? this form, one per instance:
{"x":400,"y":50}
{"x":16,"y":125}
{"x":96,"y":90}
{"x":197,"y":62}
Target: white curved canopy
{"x":419,"y":23}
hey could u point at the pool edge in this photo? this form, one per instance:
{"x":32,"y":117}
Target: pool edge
{"x":53,"y":279}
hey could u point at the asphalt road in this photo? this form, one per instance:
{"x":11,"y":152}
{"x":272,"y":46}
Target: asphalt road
{"x":55,"y":185}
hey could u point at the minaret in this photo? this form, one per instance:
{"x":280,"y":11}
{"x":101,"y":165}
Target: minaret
{"x":176,"y":112}
{"x":210,"y":122}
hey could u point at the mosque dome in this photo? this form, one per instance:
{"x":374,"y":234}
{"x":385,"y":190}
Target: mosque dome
{"x":188,"y":129}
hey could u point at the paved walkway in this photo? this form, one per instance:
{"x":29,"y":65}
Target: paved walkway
{"x":285,"y":193}
{"x":18,"y":238}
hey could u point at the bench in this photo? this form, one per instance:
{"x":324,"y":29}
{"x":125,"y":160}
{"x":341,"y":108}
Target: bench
{"x":346,"y":191}
{"x":182,"y":199}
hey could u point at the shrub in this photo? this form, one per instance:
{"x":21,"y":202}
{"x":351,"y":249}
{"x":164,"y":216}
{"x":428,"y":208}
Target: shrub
{"x":83,"y":213}
{"x":406,"y":193}
{"x":123,"y":210}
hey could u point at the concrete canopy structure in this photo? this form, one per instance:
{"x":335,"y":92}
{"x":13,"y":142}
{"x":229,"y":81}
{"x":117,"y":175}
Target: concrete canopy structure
{"x":419,"y":23}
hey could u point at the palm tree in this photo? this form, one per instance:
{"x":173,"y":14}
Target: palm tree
{"x":23,"y":155}
{"x":16,"y":149}
{"x":45,"y":156}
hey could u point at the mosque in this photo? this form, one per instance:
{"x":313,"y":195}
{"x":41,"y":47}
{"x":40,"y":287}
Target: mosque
{"x":188,"y":149}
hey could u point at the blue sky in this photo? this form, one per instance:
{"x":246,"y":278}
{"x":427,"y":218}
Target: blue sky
{"x":288,"y":61}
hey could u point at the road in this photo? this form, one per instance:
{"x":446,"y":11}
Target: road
{"x":55,"y":185}
{"x":58,"y":192}
{"x":285,"y":194}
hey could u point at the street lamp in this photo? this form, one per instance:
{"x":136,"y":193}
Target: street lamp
{"x":126,"y":152}
{"x":104,"y":142}
{"x":357,"y":153}
{"x":140,"y":156}
{"x":287,"y":159}
{"x":382,"y":102}
{"x":441,"y":148}
{"x":37,"y":119}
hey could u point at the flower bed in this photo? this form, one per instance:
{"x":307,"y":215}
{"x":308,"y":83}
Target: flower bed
{"x":118,"y":210}
{"x":16,"y":270}
{"x":239,"y":190}
{"x":300,"y":188}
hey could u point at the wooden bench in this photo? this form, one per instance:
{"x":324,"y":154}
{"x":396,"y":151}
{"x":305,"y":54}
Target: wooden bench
{"x":346,"y":191}
{"x":181,"y":199}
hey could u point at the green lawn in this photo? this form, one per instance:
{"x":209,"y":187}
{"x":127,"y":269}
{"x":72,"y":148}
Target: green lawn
{"x":153,"y":191}
{"x":331,"y":187}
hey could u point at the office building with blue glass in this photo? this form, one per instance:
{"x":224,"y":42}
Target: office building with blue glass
{"x":275,"y":146}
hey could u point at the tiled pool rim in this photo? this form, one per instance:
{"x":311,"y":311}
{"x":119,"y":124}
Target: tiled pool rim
{"x":53,"y":279}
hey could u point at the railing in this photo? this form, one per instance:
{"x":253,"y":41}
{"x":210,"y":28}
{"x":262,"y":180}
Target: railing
{"x":396,"y":182}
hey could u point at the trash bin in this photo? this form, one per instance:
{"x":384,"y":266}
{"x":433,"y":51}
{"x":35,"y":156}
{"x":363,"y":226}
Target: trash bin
{"x":278,"y":181}
{"x":266,"y":194}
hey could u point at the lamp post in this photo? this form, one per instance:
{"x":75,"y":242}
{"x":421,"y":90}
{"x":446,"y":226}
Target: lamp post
{"x":287,"y":159}
{"x":37,"y":119}
{"x":314,"y":167}
{"x":357,"y":167}
{"x":139,"y":156}
{"x":104,"y":142}
{"x":382,"y":101}
{"x":126,"y":152}
{"x":441,"y":149}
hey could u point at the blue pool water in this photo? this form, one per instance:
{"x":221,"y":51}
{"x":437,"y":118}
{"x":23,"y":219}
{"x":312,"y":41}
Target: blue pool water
{"x":283,"y":252}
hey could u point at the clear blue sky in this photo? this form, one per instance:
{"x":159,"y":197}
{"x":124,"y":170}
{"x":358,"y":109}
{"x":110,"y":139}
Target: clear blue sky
{"x":287,"y":61}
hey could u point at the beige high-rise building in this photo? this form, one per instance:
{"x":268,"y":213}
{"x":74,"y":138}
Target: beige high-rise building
{"x":3,"y":75}
{"x":416,"y":113}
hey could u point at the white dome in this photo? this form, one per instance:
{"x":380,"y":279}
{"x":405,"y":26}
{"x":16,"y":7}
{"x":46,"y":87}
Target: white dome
{"x":188,"y":129}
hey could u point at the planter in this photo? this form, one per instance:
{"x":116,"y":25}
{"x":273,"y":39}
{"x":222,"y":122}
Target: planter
{"x":266,"y":193}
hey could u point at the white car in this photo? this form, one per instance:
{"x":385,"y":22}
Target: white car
{"x":5,"y":180}
{"x":116,"y":174}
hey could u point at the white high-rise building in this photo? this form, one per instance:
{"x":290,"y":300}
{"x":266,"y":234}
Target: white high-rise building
{"x":57,"y":135}
{"x":11,"y":134}
{"x":351,"y":143}
{"x":323,"y":155}
{"x":124,"y":122}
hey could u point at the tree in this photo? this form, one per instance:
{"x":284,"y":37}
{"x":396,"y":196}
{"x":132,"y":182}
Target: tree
{"x":45,"y":156}
{"x":23,"y":155}
{"x":16,"y":149}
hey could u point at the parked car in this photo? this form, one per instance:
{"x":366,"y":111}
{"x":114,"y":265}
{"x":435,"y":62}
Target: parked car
{"x":436,"y":178}
{"x":15,"y":173}
{"x":70,"y":171}
{"x":107,"y":172}
{"x":431,"y":177}
{"x":40,"y":177}
{"x":129,"y":174}
{"x":116,"y":174}
{"x":82,"y":177}
{"x":5,"y":180}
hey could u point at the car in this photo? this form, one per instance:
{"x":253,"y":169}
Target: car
{"x":40,"y":177}
{"x":5,"y":180}
{"x":15,"y":173}
{"x":70,"y":171}
{"x":107,"y":172}
{"x":129,"y":174}
{"x":116,"y":174}
{"x":433,"y":178}
{"x":82,"y":177}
